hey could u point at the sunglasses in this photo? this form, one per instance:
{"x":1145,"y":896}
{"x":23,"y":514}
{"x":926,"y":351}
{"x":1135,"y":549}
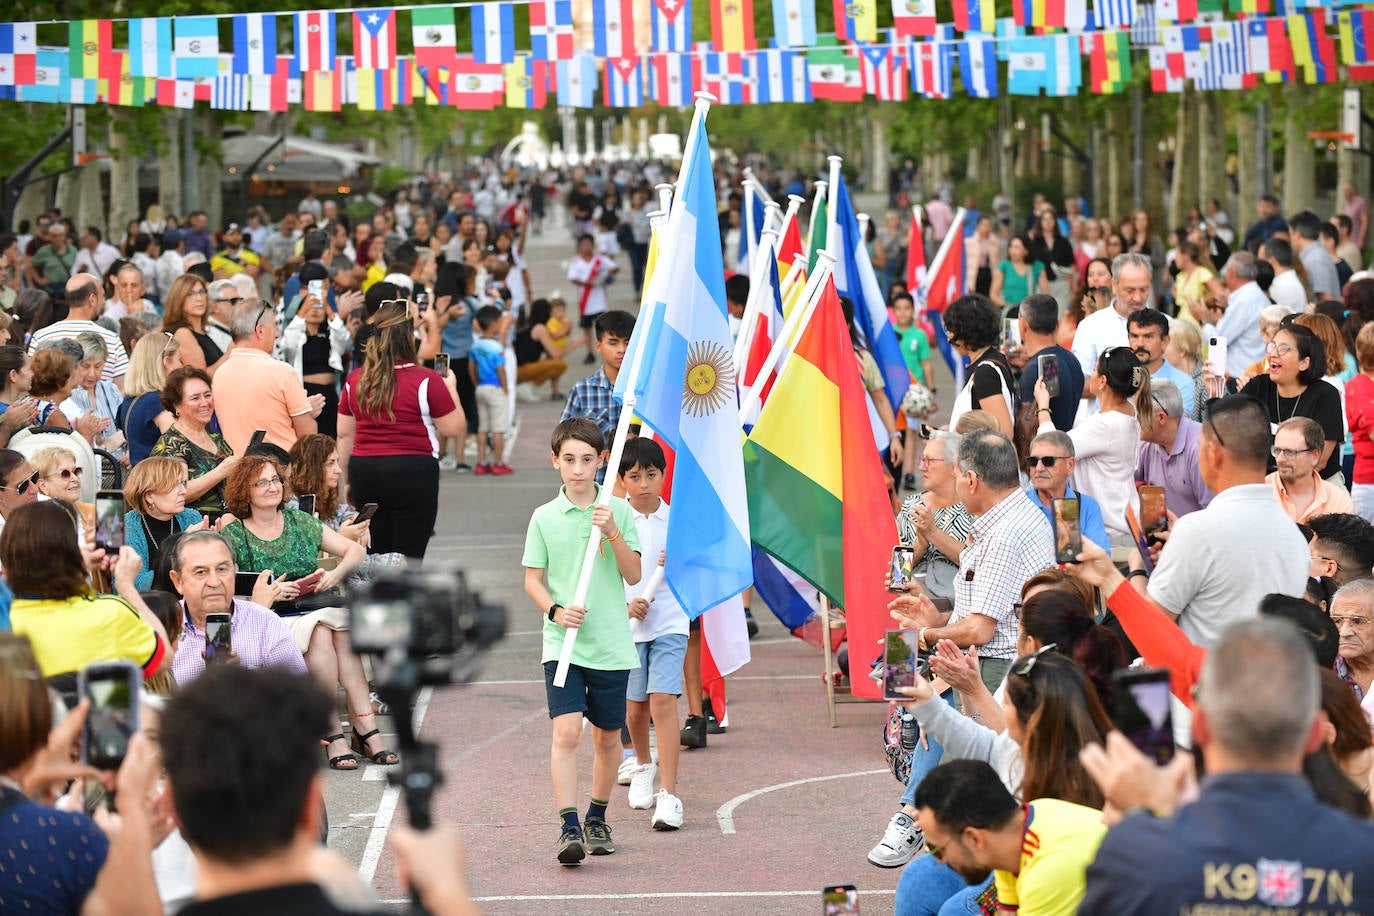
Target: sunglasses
{"x":1027,"y":666}
{"x":1048,"y":461}
{"x":22,"y":486}
{"x":232,"y":300}
{"x":66,"y":474}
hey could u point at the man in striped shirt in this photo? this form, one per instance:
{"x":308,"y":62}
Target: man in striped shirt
{"x":85,"y":302}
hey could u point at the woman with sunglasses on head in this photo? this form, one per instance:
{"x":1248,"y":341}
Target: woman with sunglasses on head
{"x":1293,"y":387}
{"x":1052,"y":712}
{"x":266,"y":535}
{"x":184,"y":315}
{"x":141,"y":414}
{"x":1106,"y":444}
{"x":18,"y":483}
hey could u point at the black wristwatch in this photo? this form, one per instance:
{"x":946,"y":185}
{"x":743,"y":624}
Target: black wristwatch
{"x":553,"y":609}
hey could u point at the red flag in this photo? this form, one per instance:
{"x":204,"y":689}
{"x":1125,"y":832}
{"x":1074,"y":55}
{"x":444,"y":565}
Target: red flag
{"x":948,"y":282}
{"x":790,"y":246}
{"x":915,"y":253}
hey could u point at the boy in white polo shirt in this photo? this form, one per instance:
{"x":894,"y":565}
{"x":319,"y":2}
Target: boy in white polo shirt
{"x":659,"y":627}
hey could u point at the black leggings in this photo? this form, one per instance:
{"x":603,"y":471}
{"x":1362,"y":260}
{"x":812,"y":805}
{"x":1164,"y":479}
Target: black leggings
{"x":467,"y":394}
{"x":406,"y":491}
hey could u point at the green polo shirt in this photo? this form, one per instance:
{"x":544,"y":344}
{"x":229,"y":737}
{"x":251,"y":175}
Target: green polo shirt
{"x":556,"y":542}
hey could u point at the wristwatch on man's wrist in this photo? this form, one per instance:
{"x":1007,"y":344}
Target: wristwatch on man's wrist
{"x":554,"y":609}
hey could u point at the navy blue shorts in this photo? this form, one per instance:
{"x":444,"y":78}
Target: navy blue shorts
{"x":600,"y":695}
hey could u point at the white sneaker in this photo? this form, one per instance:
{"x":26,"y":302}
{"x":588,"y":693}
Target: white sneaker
{"x":627,"y":769}
{"x":641,"y":795}
{"x":900,"y":844}
{"x":668,"y":811}
{"x":447,"y":463}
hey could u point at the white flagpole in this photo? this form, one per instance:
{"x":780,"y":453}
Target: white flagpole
{"x":757,"y":290}
{"x":772,"y":219}
{"x":794,"y":203}
{"x":665,"y":196}
{"x":832,"y":211}
{"x":934,"y":267}
{"x":801,"y":315}
{"x":646,"y":316}
{"x":811,"y":226}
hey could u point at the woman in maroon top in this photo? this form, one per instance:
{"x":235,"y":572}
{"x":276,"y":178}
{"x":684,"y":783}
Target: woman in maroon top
{"x":392,"y":412}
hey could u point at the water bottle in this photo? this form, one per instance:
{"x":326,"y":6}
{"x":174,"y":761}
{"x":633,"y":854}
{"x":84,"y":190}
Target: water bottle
{"x":910,"y":731}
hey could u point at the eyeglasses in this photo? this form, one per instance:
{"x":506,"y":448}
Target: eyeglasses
{"x":234,"y":300}
{"x":258,"y":320}
{"x":1211,"y":424}
{"x":197,"y":292}
{"x":66,"y":474}
{"x":1278,"y":349}
{"x":927,"y":458}
{"x":267,"y":482}
{"x":1288,"y":454}
{"x":22,"y":486}
{"x":1027,"y":666}
{"x":1048,"y":461}
{"x":1358,"y":623}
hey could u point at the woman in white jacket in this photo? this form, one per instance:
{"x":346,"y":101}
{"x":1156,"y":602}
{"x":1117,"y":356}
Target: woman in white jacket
{"x":315,"y":343}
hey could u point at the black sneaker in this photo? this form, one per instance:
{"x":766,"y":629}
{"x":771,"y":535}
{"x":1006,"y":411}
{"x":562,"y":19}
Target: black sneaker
{"x":713,"y":727}
{"x":571,"y":849}
{"x":751,"y":624}
{"x":694,"y":732}
{"x":598,"y":837}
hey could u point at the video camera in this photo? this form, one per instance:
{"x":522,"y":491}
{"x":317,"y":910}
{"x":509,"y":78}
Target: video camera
{"x":424,"y":628}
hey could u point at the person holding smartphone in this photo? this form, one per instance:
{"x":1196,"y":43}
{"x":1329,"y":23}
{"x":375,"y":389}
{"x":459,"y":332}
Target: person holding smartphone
{"x":1038,"y":318}
{"x":315,"y":342}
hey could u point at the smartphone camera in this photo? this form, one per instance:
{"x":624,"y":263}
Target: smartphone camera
{"x":1068,"y":536}
{"x":839,"y":900}
{"x":218,"y":642}
{"x":903,"y":560}
{"x":901,"y":663}
{"x":113,"y":689}
{"x":1143,"y":711}
{"x":109,"y":521}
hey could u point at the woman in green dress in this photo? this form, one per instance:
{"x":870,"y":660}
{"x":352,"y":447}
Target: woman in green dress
{"x":267,"y":536}
{"x":209,"y":459}
{"x":1018,"y":276}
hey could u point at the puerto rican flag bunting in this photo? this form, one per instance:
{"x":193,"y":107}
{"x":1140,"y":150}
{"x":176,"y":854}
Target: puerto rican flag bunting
{"x":374,"y":39}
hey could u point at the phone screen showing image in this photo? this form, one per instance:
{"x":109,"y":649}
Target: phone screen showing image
{"x":109,"y":520}
{"x":1011,"y":334}
{"x":903,"y":559}
{"x":839,"y":900}
{"x":1154,"y":516}
{"x":1049,"y":373}
{"x":441,"y":364}
{"x":1143,"y":711}
{"x":901,"y":659}
{"x":218,"y":640}
{"x":1068,"y":537}
{"x":113,"y":717}
{"x":316,"y":288}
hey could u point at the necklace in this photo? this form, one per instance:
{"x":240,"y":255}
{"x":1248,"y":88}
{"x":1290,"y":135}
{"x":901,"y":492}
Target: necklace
{"x":1296,"y":401}
{"x":147,"y":529}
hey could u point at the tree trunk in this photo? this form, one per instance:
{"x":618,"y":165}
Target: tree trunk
{"x":1156,"y":114}
{"x":1248,"y":152}
{"x":1299,"y":184}
{"x":1117,"y":145}
{"x":90,"y":203}
{"x":1183,"y":193}
{"x":879,"y":155}
{"x":123,"y":174}
{"x":33,"y":200}
{"x":1211,"y":134}
{"x":1006,"y":161}
{"x":210,"y":126}
{"x":169,"y":165}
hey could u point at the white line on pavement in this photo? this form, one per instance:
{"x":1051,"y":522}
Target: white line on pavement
{"x":725,"y":814}
{"x":386,"y":810}
{"x":513,"y":898}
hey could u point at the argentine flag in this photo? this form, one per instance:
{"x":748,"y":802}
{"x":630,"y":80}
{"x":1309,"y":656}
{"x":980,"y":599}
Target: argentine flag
{"x":686,"y":390}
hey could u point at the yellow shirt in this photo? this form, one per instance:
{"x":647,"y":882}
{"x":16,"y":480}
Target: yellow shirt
{"x":375,"y":274}
{"x":69,"y":634}
{"x":557,"y":328}
{"x":235,"y":264}
{"x":1191,"y":287}
{"x":1059,"y":843}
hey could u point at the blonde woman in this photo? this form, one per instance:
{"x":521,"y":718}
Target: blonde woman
{"x":1184,"y":353}
{"x":141,"y":415}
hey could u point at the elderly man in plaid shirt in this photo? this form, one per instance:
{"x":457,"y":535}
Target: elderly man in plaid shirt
{"x":1010,"y":542}
{"x":203,"y":571}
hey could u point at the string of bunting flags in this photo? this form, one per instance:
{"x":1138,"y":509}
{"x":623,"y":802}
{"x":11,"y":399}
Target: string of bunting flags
{"x":272,"y":61}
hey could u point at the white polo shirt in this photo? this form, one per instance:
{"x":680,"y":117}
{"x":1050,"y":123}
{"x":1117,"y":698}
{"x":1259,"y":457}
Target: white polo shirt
{"x":665,"y":614}
{"x":1098,"y":333}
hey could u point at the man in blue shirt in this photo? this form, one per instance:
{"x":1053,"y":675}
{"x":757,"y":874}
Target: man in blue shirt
{"x":1256,"y":716}
{"x":1147,"y":333}
{"x":1049,"y":465}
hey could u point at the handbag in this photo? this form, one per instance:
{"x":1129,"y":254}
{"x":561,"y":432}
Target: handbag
{"x":1026,"y":427}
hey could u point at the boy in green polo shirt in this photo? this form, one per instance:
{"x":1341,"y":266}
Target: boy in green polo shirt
{"x":605,"y":652}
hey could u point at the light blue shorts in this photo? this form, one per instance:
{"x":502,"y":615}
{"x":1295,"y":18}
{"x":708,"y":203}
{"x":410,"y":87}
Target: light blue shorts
{"x":660,"y":667}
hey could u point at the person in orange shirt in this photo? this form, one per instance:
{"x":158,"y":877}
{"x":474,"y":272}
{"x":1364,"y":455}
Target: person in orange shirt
{"x":1298,"y":487}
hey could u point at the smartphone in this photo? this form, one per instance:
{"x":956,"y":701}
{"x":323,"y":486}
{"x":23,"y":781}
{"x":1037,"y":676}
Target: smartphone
{"x":421,"y":299}
{"x":441,"y":364}
{"x":112,"y":688}
{"x":1068,"y":537}
{"x":1049,"y":373}
{"x":1154,"y":516}
{"x":109,"y":520}
{"x":316,"y":288}
{"x":901,"y":658}
{"x":1011,"y":334}
{"x":926,"y":431}
{"x":1143,"y":711}
{"x":309,"y":584}
{"x":257,"y":437}
{"x":306,"y":503}
{"x":365,"y":514}
{"x":903,"y":559}
{"x":218,"y":641}
{"x":1216,"y":356}
{"x":839,"y":898}
{"x":244,"y":583}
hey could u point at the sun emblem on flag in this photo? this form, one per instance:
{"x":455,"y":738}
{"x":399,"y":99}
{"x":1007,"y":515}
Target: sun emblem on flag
{"x":433,"y":36}
{"x":90,"y":48}
{"x":710,"y":379}
{"x":793,"y":14}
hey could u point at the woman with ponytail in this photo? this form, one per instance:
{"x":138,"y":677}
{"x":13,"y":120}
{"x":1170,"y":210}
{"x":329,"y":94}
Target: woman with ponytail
{"x":391,"y":413}
{"x":1106,"y":443}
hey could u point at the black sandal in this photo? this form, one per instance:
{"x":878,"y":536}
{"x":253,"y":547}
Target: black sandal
{"x":385,"y":757}
{"x":336,"y":763}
